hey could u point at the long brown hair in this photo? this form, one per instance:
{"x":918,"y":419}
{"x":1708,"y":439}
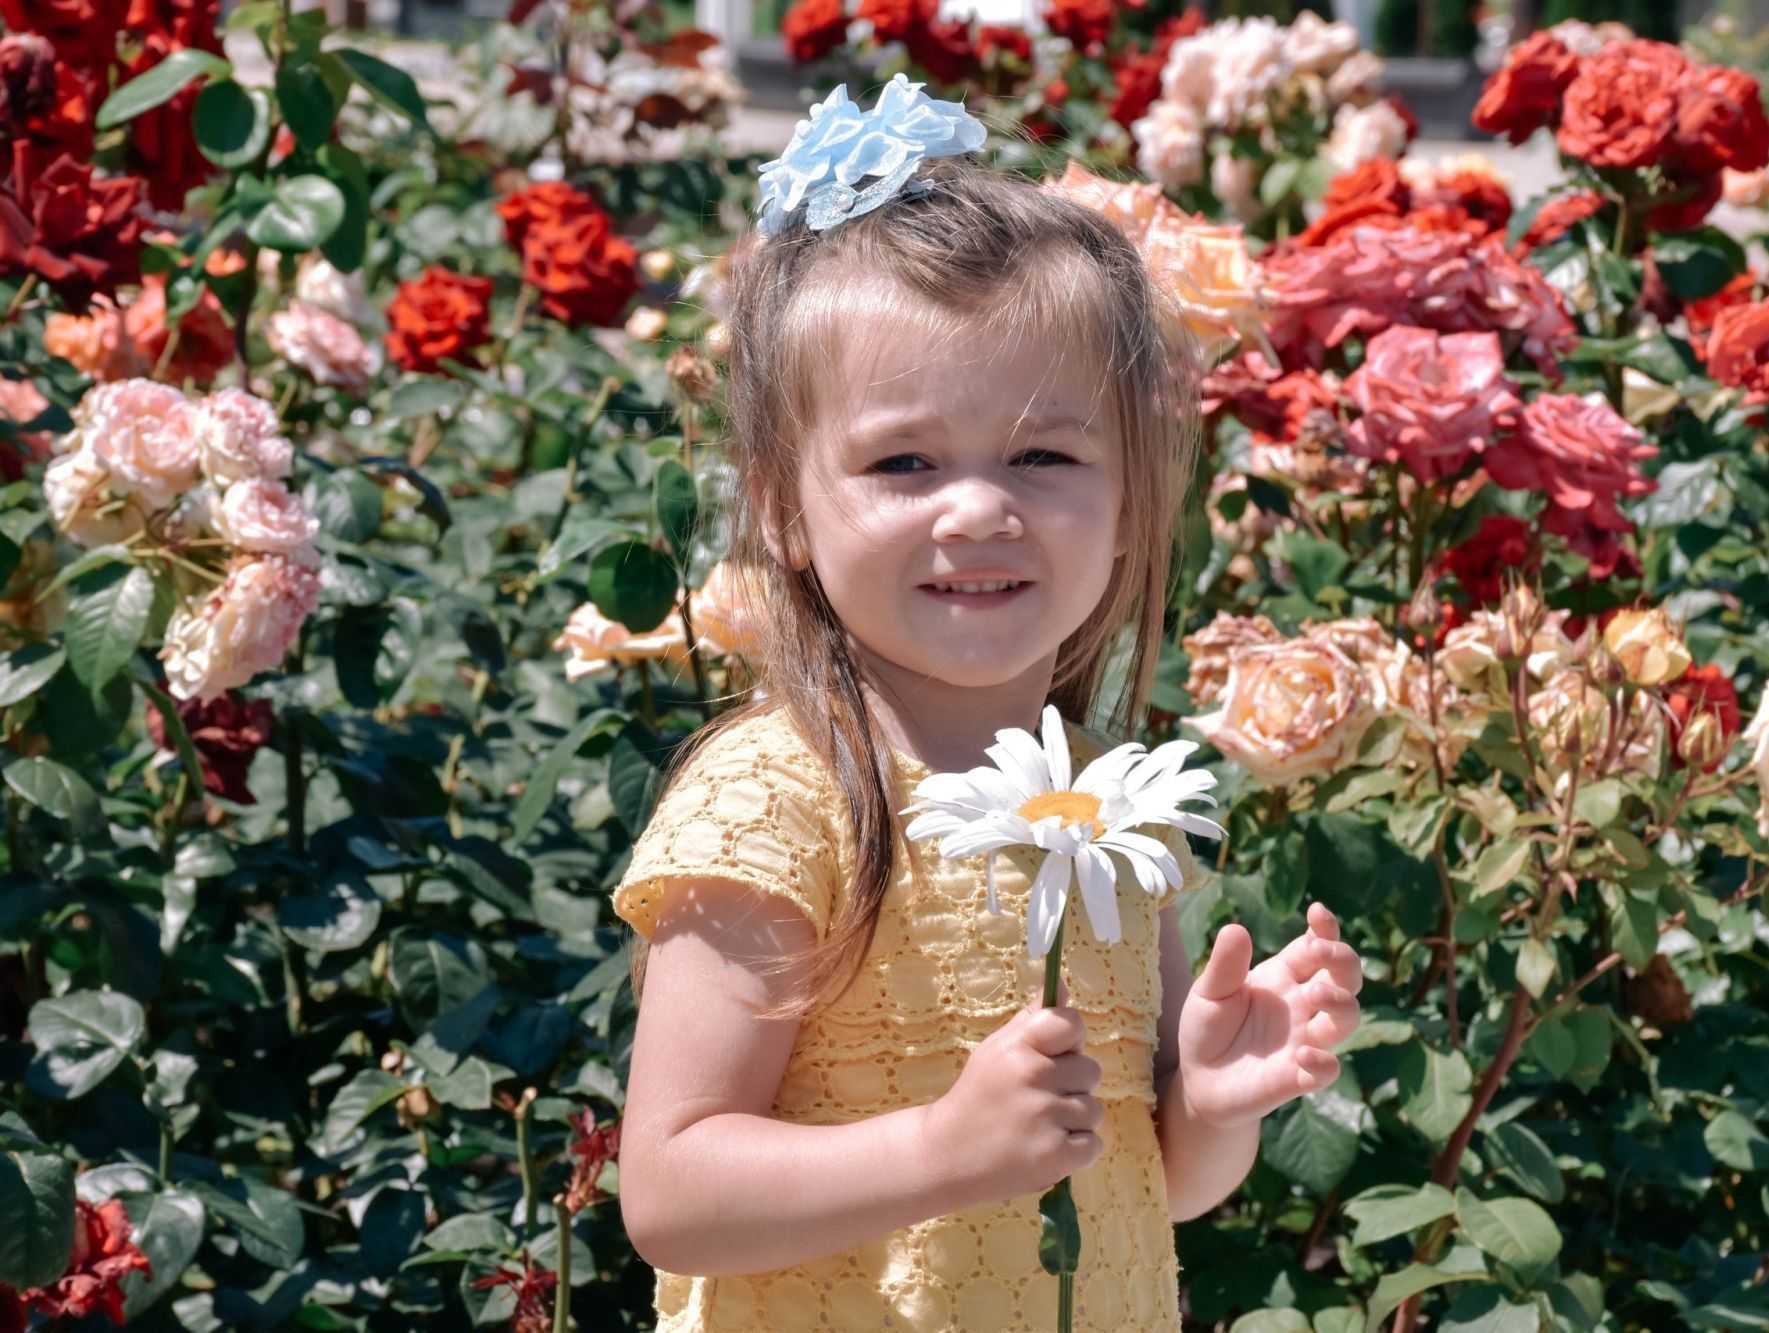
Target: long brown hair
{"x":976,"y":243}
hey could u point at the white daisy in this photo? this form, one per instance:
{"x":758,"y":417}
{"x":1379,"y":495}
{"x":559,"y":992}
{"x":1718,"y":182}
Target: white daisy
{"x":1030,"y":798}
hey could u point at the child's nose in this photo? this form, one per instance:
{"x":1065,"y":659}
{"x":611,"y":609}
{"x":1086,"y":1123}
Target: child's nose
{"x":976,"y":509}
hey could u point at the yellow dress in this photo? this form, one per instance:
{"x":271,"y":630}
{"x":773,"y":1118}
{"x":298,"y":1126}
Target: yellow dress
{"x":756,"y":805}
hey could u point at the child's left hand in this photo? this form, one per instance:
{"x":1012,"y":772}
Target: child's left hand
{"x":1250,"y":1040}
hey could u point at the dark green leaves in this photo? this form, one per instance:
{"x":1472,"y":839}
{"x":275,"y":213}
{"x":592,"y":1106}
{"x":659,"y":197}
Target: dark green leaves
{"x":57,"y":790}
{"x":159,"y":85}
{"x":108,"y":616}
{"x":80,"y":1039}
{"x":26,"y":670}
{"x":633,"y":584}
{"x":301,"y":215}
{"x":231,"y":123}
{"x":678,"y":507}
{"x":387,"y":84}
{"x":307,"y":104}
{"x":1388,"y":1211}
{"x":37,"y":1201}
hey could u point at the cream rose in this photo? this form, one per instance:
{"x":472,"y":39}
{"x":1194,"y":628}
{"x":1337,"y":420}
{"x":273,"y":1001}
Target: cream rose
{"x":245,"y":626}
{"x":82,"y":505}
{"x":724,"y":612}
{"x":321,"y":346}
{"x":1358,"y":81}
{"x":1647,"y":646}
{"x":236,"y":434}
{"x":1170,"y":144}
{"x":1316,"y":46}
{"x":1569,"y":710}
{"x":1364,"y":132}
{"x":323,"y":287}
{"x":1470,"y":657}
{"x":266,"y":517}
{"x":144,"y":434}
{"x":1290,"y":710}
{"x":595,"y":642}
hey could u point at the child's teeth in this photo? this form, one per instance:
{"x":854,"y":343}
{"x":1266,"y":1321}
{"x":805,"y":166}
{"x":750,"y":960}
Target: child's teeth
{"x":1002,"y":586}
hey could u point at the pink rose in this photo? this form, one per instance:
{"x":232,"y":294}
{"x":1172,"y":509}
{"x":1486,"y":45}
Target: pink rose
{"x":245,"y":626}
{"x":82,"y":504}
{"x":1580,"y":452}
{"x":322,"y":346}
{"x":266,"y":517}
{"x":143,"y":433}
{"x":1290,"y":710}
{"x":1430,"y":401}
{"x":237,"y":436}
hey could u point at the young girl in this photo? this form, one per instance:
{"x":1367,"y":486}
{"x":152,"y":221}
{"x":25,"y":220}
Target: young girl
{"x":962,"y":443}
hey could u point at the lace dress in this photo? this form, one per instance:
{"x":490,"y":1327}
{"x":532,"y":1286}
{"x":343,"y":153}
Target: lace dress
{"x":756,"y":805}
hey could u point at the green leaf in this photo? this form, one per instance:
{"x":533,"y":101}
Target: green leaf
{"x":1059,"y":1236}
{"x":1600,"y":803}
{"x":1633,"y":923}
{"x":537,"y":792}
{"x":1516,"y":1232}
{"x":678,"y":507}
{"x":1435,"y":1089}
{"x":307,"y":105}
{"x":1278,"y":180}
{"x":159,"y":85}
{"x":1696,"y":264}
{"x":1309,"y":1145}
{"x":231,"y":123}
{"x":467,"y":1086}
{"x":265,"y":1218}
{"x":393,"y":86}
{"x":57,"y":791}
{"x":1499,"y":866}
{"x":424,"y":397}
{"x":37,"y":1201}
{"x":582,"y":532}
{"x":356,"y":1101}
{"x":340,"y":918}
{"x":471,"y":1231}
{"x":1286,"y":1320}
{"x":1737,"y":1142}
{"x":1486,"y":1310}
{"x":347,"y":505}
{"x":108,"y":615}
{"x":633,"y":784}
{"x":347,"y":247}
{"x":1396,"y":1288}
{"x":633,"y":584}
{"x":1317,"y":563}
{"x":28,"y":669}
{"x":81,"y":1038}
{"x":391,"y":1226}
{"x":302,"y":213}
{"x":1535,"y":965}
{"x":1387,"y":1211}
{"x":1519,"y":1155}
{"x":432,"y":974}
{"x":169,"y":1229}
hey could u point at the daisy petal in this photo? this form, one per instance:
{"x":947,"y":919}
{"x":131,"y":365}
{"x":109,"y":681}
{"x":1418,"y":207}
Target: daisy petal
{"x":1050,"y":895}
{"x":1099,"y":894}
{"x":1056,"y":750}
{"x":1022,"y":760}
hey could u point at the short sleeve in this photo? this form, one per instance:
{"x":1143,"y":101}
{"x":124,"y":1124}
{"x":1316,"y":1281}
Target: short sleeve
{"x":1191,"y":875}
{"x":740,"y":811}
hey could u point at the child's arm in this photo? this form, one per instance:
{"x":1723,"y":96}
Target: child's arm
{"x":711,"y":1185}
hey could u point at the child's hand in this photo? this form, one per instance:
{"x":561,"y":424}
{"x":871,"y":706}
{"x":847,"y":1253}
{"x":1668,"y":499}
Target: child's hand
{"x":1022,"y":1115}
{"x":1249,"y":1041}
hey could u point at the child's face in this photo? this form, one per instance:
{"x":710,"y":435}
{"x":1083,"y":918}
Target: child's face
{"x":963,"y":462}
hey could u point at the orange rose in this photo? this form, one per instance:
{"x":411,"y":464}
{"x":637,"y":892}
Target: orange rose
{"x":1738,"y":348}
{"x":438,"y":315}
{"x":1290,"y":710}
{"x":814,"y":28}
{"x":595,"y":642}
{"x":1525,"y":94}
{"x":205,"y":339}
{"x":1621,"y":110}
{"x":585,"y":274}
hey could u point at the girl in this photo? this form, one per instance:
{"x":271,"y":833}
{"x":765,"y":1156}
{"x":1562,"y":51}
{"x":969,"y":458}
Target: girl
{"x":962,"y":441}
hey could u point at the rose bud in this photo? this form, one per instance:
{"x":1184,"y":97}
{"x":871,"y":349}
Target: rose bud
{"x":647,"y":323}
{"x":1703,"y":742}
{"x":657,"y":264}
{"x":691,"y":375}
{"x":1649,"y":649}
{"x":1425,"y":611}
{"x":416,"y":1105}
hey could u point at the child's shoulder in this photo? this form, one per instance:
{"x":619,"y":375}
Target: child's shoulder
{"x":762,"y":749}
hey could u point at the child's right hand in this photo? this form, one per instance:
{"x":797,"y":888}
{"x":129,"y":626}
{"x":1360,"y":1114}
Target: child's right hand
{"x":1022,"y":1115}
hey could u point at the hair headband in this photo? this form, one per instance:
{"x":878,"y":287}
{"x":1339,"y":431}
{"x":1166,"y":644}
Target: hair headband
{"x":840,"y":145}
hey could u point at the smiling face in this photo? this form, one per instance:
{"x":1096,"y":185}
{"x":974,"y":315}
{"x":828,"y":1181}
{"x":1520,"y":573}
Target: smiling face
{"x":961,"y":500}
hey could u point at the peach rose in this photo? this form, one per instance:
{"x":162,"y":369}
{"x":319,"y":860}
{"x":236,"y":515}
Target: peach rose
{"x":237,"y":437}
{"x":1213,"y":647}
{"x":265,"y":516}
{"x":83,"y":505}
{"x":724,"y":612}
{"x":144,"y":434}
{"x":323,"y":347}
{"x":1401,"y":686}
{"x":245,"y":626}
{"x":1647,"y":645}
{"x":1290,"y":710}
{"x":95,"y":343}
{"x":22,"y":402}
{"x":1358,"y":80}
{"x":1469,"y":656}
{"x":595,"y":642}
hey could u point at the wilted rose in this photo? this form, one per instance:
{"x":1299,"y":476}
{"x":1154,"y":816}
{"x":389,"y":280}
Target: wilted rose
{"x":595,"y":642}
{"x":265,"y":516}
{"x":1470,"y":654}
{"x":325,"y":348}
{"x":226,"y":733}
{"x":1213,"y":648}
{"x":1290,"y":710}
{"x":238,"y":437}
{"x":1703,"y":692}
{"x":1647,"y":645}
{"x":103,"y":1256}
{"x":245,"y":626}
{"x":1429,"y":401}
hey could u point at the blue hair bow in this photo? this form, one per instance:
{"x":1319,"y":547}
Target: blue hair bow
{"x":840,"y":145}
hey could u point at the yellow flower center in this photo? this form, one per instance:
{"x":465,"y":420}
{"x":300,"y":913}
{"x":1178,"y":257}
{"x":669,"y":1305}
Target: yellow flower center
{"x":1072,"y":807}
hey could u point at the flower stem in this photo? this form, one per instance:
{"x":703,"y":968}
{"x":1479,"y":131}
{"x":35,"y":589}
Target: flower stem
{"x":525,"y":1157}
{"x":562,"y":1292}
{"x":1059,"y":1194}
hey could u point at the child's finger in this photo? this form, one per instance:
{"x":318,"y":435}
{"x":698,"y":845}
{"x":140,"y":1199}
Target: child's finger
{"x":1322,"y":921}
{"x":1226,"y":972}
{"x":1333,"y":1023}
{"x":1341,"y":964}
{"x":1315,"y":1068}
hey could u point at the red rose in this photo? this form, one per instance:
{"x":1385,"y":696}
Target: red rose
{"x":1700,"y":315}
{"x":437,"y":315}
{"x":27,"y":81}
{"x":891,"y":19}
{"x":1138,"y":79}
{"x":585,"y":274}
{"x":102,"y":1257}
{"x":1720,"y":122}
{"x":162,"y":144}
{"x":226,"y":732}
{"x":1430,"y":402}
{"x":1557,"y":217}
{"x":1621,"y":110}
{"x":1687,"y":202}
{"x":1378,"y":180}
{"x":1738,"y":348}
{"x":1525,"y":93}
{"x":1598,"y":543}
{"x":83,"y":32}
{"x":1086,"y":23}
{"x":942,"y":47}
{"x":79,"y":234}
{"x":1481,"y":198}
{"x":814,"y":28}
{"x":550,"y":202}
{"x":1582,"y":454}
{"x":994,"y":39}
{"x":205,"y":339}
{"x":1703,"y":689}
{"x":1500,"y":544}
{"x":1170,"y":30}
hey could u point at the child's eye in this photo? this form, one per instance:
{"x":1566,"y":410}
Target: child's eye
{"x":899,"y":464}
{"x":1042,"y":458}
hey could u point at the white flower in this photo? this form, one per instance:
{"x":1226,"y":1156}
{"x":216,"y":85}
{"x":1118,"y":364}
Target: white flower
{"x":1031,"y":798}
{"x":1170,"y":144}
{"x":1362,"y":133}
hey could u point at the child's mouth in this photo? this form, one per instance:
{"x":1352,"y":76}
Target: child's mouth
{"x":978,"y":594}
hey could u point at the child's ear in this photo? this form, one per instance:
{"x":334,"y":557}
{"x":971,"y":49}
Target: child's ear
{"x":781,"y":533}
